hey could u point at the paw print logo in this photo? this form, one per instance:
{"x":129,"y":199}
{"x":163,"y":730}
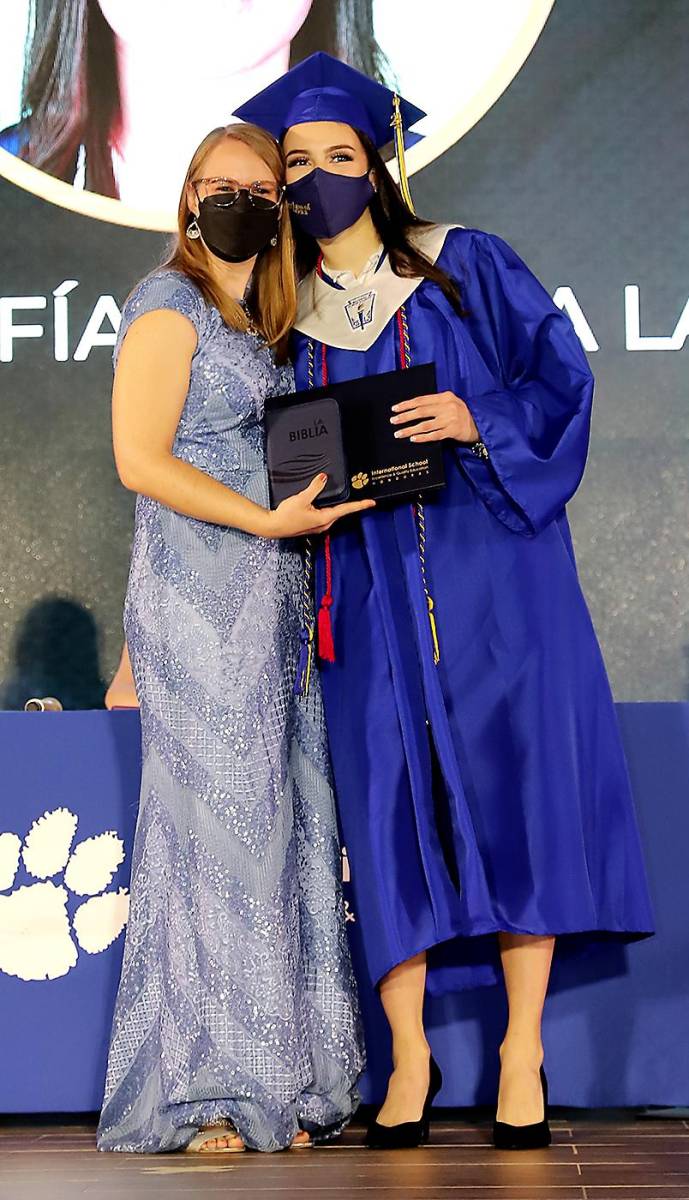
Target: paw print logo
{"x":359,"y":480}
{"x":65,"y":907}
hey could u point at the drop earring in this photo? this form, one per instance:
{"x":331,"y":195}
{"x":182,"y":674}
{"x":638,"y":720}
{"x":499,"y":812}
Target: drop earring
{"x":193,"y":230}
{"x":274,"y":240}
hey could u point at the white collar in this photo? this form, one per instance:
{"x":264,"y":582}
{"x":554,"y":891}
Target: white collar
{"x":346,"y":279}
{"x":351,"y":319}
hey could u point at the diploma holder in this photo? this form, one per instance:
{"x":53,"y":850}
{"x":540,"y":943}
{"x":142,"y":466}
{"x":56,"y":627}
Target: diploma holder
{"x":344,"y":430}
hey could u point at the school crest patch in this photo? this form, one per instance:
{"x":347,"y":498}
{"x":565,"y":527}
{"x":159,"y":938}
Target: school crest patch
{"x":359,"y":310}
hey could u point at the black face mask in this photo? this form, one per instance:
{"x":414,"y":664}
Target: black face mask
{"x":236,"y":232}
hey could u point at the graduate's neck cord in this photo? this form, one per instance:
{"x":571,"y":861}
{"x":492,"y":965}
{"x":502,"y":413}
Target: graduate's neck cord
{"x":326,"y":644}
{"x":418,"y":508}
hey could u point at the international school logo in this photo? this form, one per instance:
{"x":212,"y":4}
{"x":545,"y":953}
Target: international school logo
{"x":359,"y":310}
{"x":78,"y":128}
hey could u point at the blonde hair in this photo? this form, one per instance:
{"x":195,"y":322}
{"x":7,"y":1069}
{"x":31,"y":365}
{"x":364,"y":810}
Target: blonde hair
{"x":273,"y":300}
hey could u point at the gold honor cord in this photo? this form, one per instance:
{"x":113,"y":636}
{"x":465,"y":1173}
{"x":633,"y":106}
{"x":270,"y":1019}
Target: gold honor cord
{"x":398,"y":128}
{"x":307,"y":636}
{"x":308,"y":630}
{"x":421,"y":513}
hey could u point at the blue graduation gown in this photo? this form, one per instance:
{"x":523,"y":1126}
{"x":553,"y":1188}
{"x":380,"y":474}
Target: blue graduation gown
{"x":521,"y":819}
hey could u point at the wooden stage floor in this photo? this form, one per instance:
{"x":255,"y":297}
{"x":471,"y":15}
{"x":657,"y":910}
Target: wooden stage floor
{"x":594,"y":1157}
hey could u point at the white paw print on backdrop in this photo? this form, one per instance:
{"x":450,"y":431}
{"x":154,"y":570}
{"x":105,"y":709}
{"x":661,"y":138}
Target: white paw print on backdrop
{"x":37,"y":938}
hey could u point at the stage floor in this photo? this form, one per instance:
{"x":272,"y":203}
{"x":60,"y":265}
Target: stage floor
{"x":594,"y":1157}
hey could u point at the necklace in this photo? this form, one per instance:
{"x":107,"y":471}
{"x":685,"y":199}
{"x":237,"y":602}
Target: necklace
{"x":251,"y":328}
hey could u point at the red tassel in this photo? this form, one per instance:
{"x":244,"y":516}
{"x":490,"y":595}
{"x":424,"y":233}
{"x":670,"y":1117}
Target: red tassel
{"x":326,"y":643}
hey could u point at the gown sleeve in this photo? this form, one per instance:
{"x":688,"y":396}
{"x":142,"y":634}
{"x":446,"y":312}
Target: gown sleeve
{"x":532,"y":406}
{"x":13,"y":139}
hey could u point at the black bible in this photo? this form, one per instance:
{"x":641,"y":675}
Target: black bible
{"x":344,"y":430}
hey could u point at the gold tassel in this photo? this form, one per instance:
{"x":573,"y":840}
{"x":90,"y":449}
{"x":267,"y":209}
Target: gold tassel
{"x":419,"y":509}
{"x":396,"y":122}
{"x":434,"y":631}
{"x":421,"y":525}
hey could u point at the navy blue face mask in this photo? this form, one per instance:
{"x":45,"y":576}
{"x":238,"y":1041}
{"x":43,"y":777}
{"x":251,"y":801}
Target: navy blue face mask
{"x":324,"y":203}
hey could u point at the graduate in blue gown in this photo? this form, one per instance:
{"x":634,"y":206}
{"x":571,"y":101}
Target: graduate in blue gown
{"x":482,"y":788}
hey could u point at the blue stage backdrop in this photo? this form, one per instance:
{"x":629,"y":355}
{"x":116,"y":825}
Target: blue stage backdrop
{"x":616,"y":1029}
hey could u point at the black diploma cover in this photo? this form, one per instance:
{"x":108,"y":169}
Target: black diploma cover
{"x":344,"y":429}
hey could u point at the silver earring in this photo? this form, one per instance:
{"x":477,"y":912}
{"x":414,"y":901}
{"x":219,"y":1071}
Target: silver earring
{"x":274,"y":240}
{"x":193,"y":230}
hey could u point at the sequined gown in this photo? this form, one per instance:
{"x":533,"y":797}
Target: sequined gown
{"x":237,"y":997}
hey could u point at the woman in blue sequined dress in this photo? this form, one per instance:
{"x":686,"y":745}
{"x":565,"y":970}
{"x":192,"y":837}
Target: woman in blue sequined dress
{"x":236,"y":1021}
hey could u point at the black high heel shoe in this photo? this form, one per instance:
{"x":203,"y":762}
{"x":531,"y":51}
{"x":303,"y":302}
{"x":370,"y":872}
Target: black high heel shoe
{"x":524,"y":1137}
{"x":409,"y":1133}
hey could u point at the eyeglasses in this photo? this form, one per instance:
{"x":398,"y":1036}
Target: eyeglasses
{"x":263,"y":193}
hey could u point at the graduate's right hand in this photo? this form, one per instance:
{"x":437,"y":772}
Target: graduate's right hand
{"x":298,"y":515}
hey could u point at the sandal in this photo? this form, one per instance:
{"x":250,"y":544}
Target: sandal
{"x":208,"y":1134}
{"x":295,"y":1145}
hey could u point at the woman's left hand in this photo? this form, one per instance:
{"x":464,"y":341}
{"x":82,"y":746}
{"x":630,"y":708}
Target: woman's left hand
{"x":435,"y":418}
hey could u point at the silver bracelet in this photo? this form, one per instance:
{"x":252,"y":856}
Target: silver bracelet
{"x":479,"y":449}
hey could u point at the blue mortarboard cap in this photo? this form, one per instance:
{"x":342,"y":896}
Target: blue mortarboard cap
{"x":322,"y":88}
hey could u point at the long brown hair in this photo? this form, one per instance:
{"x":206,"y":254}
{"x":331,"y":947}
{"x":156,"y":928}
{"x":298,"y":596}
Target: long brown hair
{"x":272,"y":299}
{"x":345,"y":30}
{"x":70,"y":93}
{"x":395,"y":224}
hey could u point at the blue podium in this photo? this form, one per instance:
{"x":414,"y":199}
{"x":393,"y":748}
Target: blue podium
{"x":617,"y":1024}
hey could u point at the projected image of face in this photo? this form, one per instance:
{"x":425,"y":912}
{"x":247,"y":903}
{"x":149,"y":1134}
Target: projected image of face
{"x":135,"y":86}
{"x":228,"y":35}
{"x":141,"y":85}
